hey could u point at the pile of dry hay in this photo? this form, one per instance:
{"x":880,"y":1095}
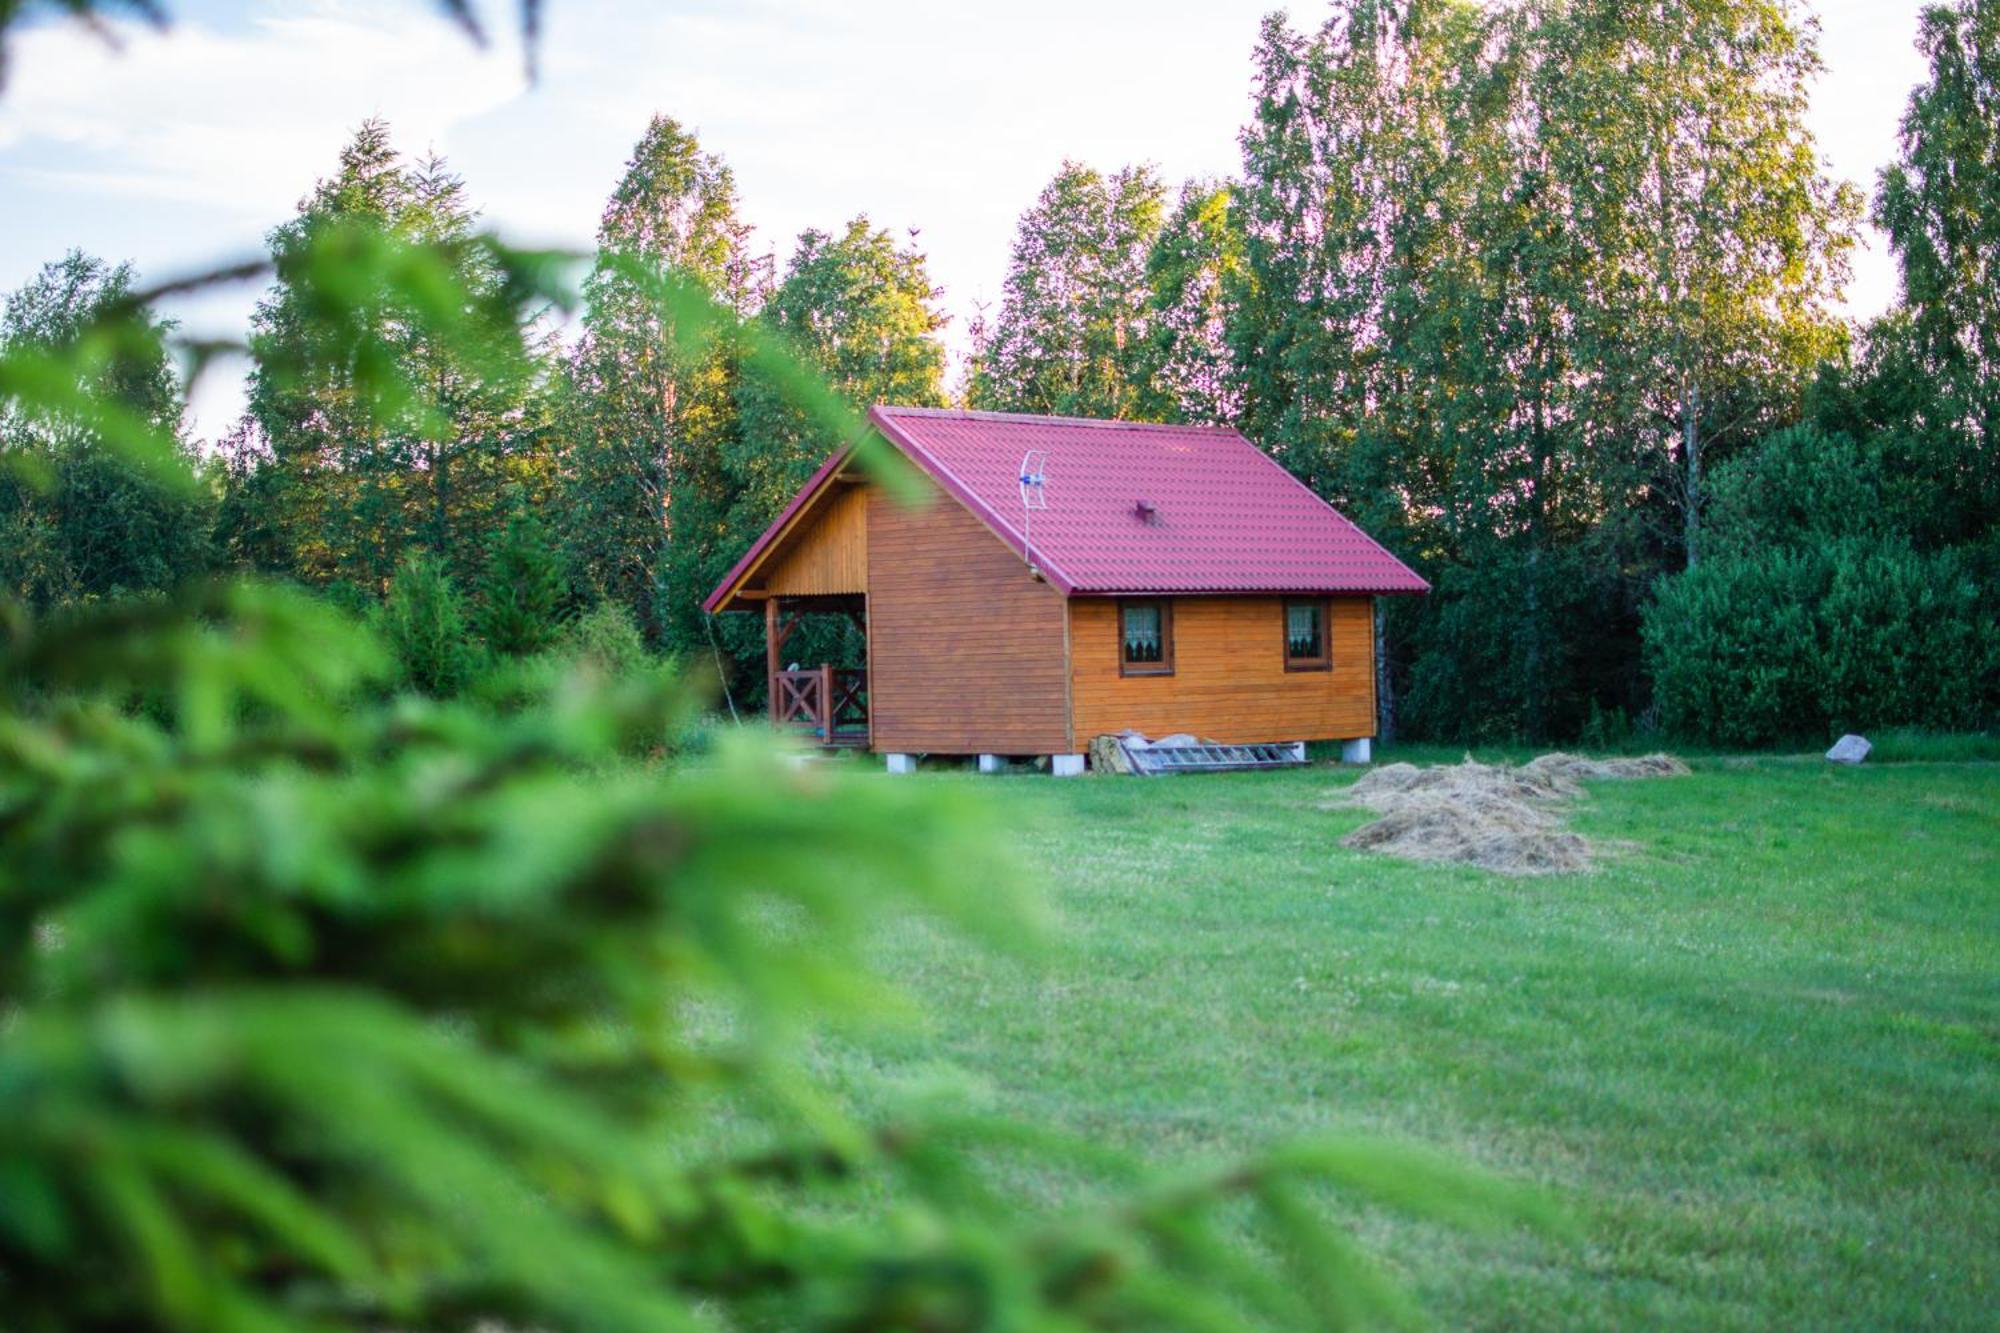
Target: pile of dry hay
{"x":1509,"y":819}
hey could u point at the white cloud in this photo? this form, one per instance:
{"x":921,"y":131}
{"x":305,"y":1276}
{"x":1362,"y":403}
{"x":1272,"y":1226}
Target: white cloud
{"x":238,"y":121}
{"x":183,"y":148}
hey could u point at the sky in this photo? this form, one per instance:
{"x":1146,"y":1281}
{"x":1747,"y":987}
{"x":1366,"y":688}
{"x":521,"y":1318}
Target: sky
{"x":181,"y":150}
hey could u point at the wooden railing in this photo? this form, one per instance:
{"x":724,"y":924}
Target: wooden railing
{"x":831,"y":702}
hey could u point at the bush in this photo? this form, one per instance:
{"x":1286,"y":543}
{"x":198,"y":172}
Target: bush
{"x":423,"y":620}
{"x":1796,"y":644}
{"x":607,"y":639}
{"x":1909,"y":640}
{"x":1819,"y":611}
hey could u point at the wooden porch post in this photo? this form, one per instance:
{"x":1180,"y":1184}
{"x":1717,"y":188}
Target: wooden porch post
{"x":771,"y":647}
{"x":826,"y":703}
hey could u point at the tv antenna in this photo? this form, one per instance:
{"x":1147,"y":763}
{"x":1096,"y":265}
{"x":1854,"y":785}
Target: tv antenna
{"x":1034,"y":495}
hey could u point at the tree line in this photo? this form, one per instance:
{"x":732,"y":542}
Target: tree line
{"x":1543,"y":295}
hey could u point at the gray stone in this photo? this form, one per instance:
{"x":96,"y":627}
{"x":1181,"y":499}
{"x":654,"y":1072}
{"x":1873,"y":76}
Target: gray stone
{"x":1849,"y":749}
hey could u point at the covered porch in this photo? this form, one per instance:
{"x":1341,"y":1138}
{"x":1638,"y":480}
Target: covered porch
{"x":809,"y":573}
{"x":826,"y":703}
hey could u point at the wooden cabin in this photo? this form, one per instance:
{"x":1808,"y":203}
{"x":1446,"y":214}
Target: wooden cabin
{"x":1174,"y":579}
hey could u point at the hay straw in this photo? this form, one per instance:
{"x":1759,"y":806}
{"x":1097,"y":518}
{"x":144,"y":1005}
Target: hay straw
{"x":1500,"y":818}
{"x":1580,"y":768}
{"x":1504,"y":836}
{"x":1379,"y":789}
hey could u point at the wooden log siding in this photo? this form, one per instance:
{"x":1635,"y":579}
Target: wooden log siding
{"x":1229,"y":682}
{"x":828,"y":552}
{"x":965,"y":647}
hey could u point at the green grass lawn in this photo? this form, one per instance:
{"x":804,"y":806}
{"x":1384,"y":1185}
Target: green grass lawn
{"x":1756,"y":1052}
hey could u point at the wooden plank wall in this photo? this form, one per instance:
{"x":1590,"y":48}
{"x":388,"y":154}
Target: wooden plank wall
{"x":965,"y":647}
{"x":828,"y":551}
{"x":1229,"y":682}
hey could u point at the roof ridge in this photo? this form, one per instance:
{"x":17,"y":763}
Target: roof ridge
{"x":1033,"y":418}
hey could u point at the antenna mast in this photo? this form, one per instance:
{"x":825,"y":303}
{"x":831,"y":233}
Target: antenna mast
{"x":1034,"y":495}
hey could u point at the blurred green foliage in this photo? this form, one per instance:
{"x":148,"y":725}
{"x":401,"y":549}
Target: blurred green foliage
{"x":330,"y":1007}
{"x":98,"y":16}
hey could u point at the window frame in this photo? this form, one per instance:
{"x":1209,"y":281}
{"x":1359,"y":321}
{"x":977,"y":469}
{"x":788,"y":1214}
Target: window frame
{"x":1324,"y":660}
{"x":1163,"y":667}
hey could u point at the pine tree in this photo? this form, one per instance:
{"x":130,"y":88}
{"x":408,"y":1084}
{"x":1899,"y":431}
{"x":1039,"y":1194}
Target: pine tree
{"x":316,"y":446}
{"x":369,"y":429}
{"x":478,"y":424}
{"x":423,"y":619}
{"x":647,"y":414}
{"x":522,"y":596}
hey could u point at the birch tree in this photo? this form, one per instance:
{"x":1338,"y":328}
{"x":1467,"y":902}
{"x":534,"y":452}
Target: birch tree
{"x":1676,"y":131}
{"x":1194,"y":276}
{"x":1940,"y":203}
{"x":1074,"y":322}
{"x":78,"y":520}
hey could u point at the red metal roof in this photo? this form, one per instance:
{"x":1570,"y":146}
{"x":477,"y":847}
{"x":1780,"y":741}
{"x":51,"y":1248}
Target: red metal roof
{"x":1225,"y":516}
{"x":1222,"y":515}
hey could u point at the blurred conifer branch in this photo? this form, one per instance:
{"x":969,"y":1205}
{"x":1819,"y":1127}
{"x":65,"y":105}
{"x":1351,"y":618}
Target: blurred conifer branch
{"x":331,"y":1006}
